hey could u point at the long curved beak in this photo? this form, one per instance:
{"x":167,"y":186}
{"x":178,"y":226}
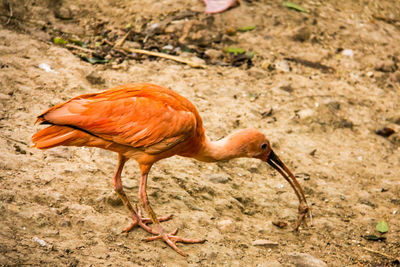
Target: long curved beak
{"x":278,"y":165}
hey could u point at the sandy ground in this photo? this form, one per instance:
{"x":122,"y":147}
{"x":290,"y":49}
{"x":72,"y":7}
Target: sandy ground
{"x":321,"y":122}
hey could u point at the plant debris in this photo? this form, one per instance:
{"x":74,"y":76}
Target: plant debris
{"x":59,"y":40}
{"x":246,"y":28}
{"x":311,"y":64}
{"x":385,"y":132}
{"x":295,"y":7}
{"x":234,"y":50}
{"x":382,"y":226}
{"x":280,"y":224}
{"x":374,"y":238}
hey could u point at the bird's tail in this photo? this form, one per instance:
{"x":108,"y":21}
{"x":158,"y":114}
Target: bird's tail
{"x":57,"y":135}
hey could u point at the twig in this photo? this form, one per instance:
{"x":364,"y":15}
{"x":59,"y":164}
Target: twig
{"x":108,"y":42}
{"x":15,"y":140}
{"x":11,"y":13}
{"x":80,"y":48}
{"x":163,"y":55}
{"x":311,"y":64}
{"x":387,"y":20}
{"x":144,"y":52}
{"x":381,"y":253}
{"x":121,"y":41}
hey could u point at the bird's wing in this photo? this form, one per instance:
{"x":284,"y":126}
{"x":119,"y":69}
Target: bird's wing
{"x":151,"y":121}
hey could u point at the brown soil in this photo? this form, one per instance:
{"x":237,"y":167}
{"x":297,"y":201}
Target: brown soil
{"x":320,"y":107}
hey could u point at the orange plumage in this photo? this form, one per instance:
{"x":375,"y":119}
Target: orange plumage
{"x":147,"y":123}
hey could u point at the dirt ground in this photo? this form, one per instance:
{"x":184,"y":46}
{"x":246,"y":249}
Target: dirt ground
{"x":319,"y":85}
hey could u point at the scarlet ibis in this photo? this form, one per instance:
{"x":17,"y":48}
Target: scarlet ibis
{"x":147,"y":123}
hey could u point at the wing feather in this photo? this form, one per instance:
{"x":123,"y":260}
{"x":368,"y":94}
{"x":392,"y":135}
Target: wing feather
{"x":153,"y":120}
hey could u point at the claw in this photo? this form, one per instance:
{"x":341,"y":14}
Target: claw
{"x":142,"y":222}
{"x":171,"y":240}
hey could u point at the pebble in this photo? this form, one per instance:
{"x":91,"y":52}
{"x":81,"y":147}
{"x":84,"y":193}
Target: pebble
{"x":46,"y":68}
{"x":130,"y":183}
{"x":219,"y":178}
{"x":63,"y":13}
{"x":306,"y":260}
{"x":256,"y":73}
{"x":65,"y":223}
{"x":265,"y":243}
{"x":132,"y":45}
{"x":302,"y":34}
{"x":4,"y":97}
{"x":385,"y":66}
{"x":213,"y":54}
{"x":111,"y":198}
{"x":303,"y":175}
{"x":226,"y":226}
{"x":175,"y":26}
{"x":283,"y":65}
{"x":348,"y":53}
{"x":40,"y":241}
{"x":95,"y":78}
{"x":167,"y":47}
{"x":267,"y":65}
{"x":305,"y":113}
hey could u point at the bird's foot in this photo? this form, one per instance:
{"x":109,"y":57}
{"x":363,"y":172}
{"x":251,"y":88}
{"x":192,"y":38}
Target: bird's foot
{"x":142,"y":222}
{"x":304,"y":210}
{"x":171,"y":240}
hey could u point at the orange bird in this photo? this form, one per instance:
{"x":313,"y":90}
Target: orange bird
{"x":147,"y":123}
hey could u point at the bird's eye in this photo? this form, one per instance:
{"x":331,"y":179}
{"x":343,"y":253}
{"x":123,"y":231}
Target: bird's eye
{"x":264,"y":146}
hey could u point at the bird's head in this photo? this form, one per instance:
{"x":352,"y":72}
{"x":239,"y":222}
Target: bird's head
{"x":252,"y":143}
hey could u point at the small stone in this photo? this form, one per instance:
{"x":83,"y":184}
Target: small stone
{"x":265,"y":243}
{"x":95,"y":78}
{"x":287,"y":88}
{"x":129,"y":183}
{"x":219,"y":178}
{"x":40,"y":241}
{"x":111,"y":198}
{"x":344,"y":123}
{"x":306,"y":260}
{"x":213,"y":54}
{"x":385,"y":66}
{"x":256,"y":73}
{"x":167,"y":47}
{"x":280,"y":224}
{"x":226,"y":226}
{"x":132,"y":45}
{"x":348,"y":53}
{"x":175,"y":26}
{"x":305,"y":113}
{"x":333,"y":106}
{"x":283,"y":66}
{"x":302,"y":34}
{"x":303,"y":175}
{"x":4,"y":97}
{"x":65,"y":224}
{"x":63,"y":13}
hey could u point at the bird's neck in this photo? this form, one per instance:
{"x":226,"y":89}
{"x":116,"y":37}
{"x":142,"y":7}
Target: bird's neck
{"x":213,"y":151}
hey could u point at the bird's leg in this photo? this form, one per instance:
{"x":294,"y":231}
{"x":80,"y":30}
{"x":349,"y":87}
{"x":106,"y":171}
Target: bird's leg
{"x":169,"y":238}
{"x":135,"y":214}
